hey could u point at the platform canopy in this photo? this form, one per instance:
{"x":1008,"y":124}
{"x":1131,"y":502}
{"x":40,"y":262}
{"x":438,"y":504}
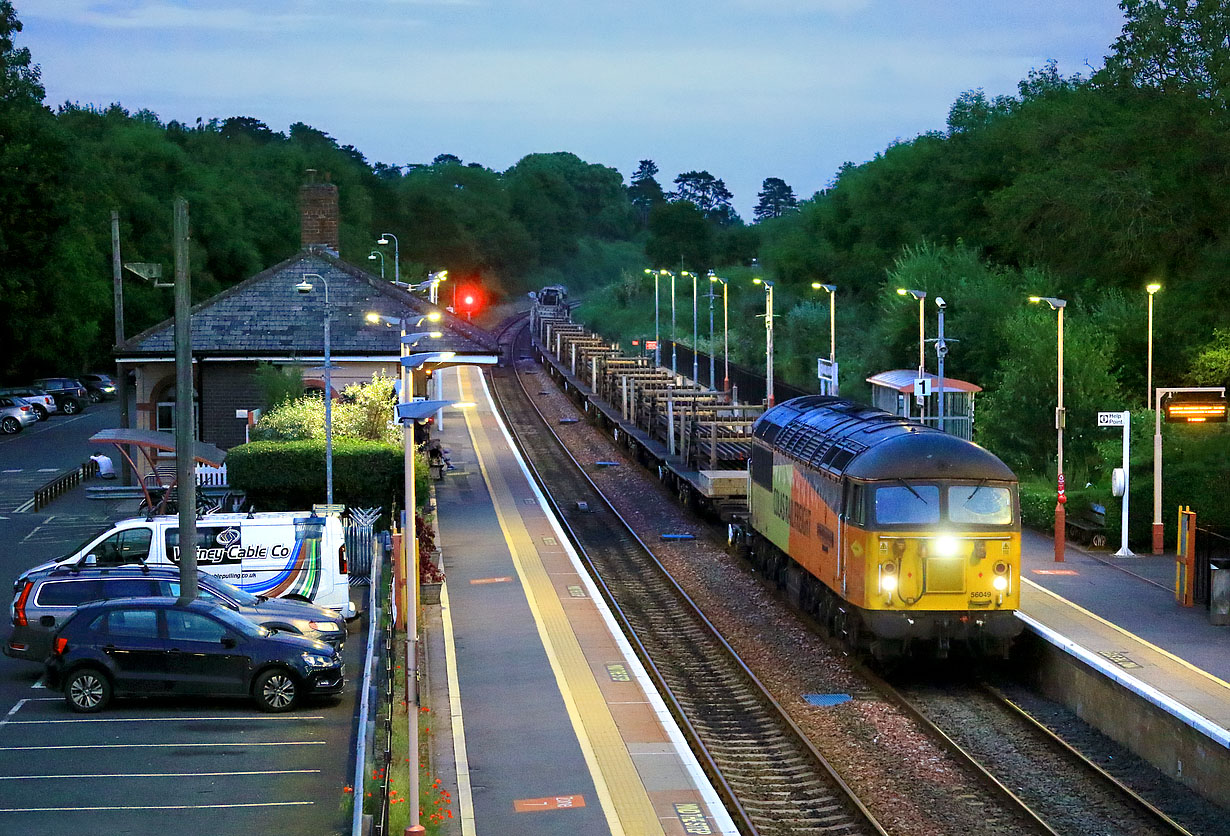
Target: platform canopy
{"x":902,"y":380}
{"x":164,"y":442}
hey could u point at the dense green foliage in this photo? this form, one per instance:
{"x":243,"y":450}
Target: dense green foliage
{"x":287,"y":475}
{"x":364,"y":411}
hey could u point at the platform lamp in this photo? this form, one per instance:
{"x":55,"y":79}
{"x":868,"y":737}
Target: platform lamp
{"x":304,"y":286}
{"x":1152,"y":289}
{"x":831,"y":289}
{"x":384,"y":239}
{"x":657,"y":337}
{"x":768,"y":337}
{"x":920,"y":295}
{"x":695,"y":335}
{"x":725,"y":329}
{"x":1061,"y":496}
{"x":372,"y":257}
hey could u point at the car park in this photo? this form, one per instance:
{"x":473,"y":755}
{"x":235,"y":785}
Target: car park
{"x":296,"y":555}
{"x":42,"y":603}
{"x":15,"y":414}
{"x":70,"y":395}
{"x":42,"y":403}
{"x":157,"y":646}
{"x":100,"y":387}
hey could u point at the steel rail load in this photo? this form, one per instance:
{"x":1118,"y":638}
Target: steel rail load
{"x":889,"y":532}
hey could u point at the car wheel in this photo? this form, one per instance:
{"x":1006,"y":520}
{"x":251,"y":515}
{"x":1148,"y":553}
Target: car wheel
{"x":10,"y":425}
{"x":276,"y":690}
{"x":71,"y":406}
{"x":40,"y":411}
{"x":87,"y":690}
{"x":95,"y":396}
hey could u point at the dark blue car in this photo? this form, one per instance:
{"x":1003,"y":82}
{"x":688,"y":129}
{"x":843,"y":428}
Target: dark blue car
{"x":157,"y":646}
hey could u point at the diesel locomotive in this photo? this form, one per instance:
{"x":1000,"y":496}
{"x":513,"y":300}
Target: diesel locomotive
{"x":900,"y":538}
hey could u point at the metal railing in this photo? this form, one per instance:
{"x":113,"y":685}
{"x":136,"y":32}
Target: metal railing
{"x":63,"y":483}
{"x":365,"y":739}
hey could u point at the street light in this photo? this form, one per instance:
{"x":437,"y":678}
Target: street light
{"x":403,"y":322}
{"x":372,"y":257}
{"x":831,"y":289}
{"x":433,"y":295}
{"x":695,"y":353}
{"x":1061,"y":497}
{"x":1152,"y":289}
{"x":725,"y":330}
{"x":384,"y":239}
{"x":674,"y":364}
{"x":657,"y":339}
{"x":768,"y":337}
{"x":305,"y":286}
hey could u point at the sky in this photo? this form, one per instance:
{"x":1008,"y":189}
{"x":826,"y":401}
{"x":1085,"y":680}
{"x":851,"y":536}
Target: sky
{"x":745,"y":89}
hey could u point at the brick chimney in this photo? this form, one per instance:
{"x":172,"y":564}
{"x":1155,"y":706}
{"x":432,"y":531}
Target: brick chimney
{"x":318,"y":215}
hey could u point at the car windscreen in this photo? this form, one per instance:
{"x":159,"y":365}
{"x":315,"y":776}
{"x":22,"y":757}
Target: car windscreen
{"x":907,"y":504}
{"x":238,"y":623}
{"x":78,"y":548}
{"x":227,"y":590}
{"x":980,"y":504}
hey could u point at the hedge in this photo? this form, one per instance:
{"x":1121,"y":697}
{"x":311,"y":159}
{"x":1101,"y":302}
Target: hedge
{"x":290,"y":475}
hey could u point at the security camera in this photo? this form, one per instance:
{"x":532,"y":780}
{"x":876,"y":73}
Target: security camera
{"x":939,"y":301}
{"x":304,"y":287}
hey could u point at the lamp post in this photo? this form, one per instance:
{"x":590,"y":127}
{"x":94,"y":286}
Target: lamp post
{"x":712,"y":363}
{"x":657,"y":338}
{"x":941,"y":351}
{"x":384,"y":239}
{"x":920,"y":295}
{"x":433,"y":295}
{"x":674,"y":362}
{"x":305,"y":286}
{"x":372,"y":257}
{"x":1152,"y":289}
{"x":831,"y":289}
{"x":1061,"y":496}
{"x":725,"y":331}
{"x":695,"y":335}
{"x":768,"y":337}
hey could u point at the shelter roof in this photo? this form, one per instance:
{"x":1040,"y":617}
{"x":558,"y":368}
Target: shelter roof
{"x":201,"y":451}
{"x":902,"y":380}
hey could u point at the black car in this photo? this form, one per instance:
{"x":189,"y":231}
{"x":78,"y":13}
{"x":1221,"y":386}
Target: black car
{"x":101,"y":387}
{"x":157,"y":646}
{"x":70,"y":395}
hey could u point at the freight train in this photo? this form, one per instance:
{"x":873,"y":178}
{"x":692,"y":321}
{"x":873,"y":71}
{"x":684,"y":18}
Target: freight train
{"x":900,"y":538}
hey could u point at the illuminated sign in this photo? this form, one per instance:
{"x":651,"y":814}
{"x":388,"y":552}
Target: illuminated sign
{"x":1195,"y":409}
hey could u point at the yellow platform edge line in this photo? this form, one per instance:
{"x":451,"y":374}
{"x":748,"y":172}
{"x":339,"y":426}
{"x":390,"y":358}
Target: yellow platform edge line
{"x":465,"y":796}
{"x":605,"y":799}
{"x":1129,"y":634}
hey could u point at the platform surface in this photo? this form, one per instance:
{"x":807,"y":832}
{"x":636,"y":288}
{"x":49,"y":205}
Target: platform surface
{"x":560,"y":730}
{"x":1122,"y":613}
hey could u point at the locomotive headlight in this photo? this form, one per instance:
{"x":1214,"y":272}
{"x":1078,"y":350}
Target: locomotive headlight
{"x":1000,"y":582}
{"x":888,"y":583}
{"x":946,"y":546}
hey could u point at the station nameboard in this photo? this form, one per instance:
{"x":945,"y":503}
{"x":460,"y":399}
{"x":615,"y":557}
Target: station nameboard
{"x":1195,"y":408}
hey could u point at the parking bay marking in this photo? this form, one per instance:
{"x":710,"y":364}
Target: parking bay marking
{"x":160,"y":774}
{"x":155,"y":719}
{"x":186,"y":744}
{"x":154,"y":807}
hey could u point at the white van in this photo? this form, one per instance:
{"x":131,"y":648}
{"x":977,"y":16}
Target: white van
{"x":295,"y":554}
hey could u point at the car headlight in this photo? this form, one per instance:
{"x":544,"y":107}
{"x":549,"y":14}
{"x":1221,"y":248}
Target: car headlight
{"x":315,"y":660}
{"x":1000,"y":583}
{"x":325,"y":626}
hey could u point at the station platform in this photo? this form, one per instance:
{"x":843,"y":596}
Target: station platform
{"x":1119,"y":616}
{"x":556,"y":727}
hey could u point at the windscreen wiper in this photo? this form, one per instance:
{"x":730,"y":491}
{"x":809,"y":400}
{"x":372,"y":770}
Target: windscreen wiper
{"x":909,"y":488}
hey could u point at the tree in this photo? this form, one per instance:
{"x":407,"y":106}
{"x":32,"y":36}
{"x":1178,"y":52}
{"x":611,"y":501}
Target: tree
{"x":776,"y":199}
{"x":446,"y":159}
{"x":707,"y":193}
{"x":679,"y":232}
{"x":645,"y":191}
{"x":1173,"y":45}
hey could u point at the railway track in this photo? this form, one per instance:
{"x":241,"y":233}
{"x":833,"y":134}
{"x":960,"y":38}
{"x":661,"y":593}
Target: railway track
{"x":1006,"y":744}
{"x":772,"y":779}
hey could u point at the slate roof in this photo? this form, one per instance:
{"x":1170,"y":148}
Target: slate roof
{"x":265,"y":316}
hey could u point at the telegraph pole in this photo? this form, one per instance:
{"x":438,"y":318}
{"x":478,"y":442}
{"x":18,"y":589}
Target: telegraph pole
{"x":185,"y":461}
{"x":117,"y":286}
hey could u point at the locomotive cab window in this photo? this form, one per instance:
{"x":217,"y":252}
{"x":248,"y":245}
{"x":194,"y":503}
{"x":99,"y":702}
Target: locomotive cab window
{"x":907,"y":504}
{"x":980,"y":504}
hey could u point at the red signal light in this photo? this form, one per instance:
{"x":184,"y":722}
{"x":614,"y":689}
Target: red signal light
{"x":469,"y":300}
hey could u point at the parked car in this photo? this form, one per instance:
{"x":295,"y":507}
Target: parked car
{"x":70,"y":395}
{"x":99,"y":386}
{"x":157,"y":646}
{"x":15,"y":414}
{"x":42,"y":403}
{"x":44,"y":602}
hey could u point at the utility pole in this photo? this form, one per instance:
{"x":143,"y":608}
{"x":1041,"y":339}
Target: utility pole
{"x":117,"y":286}
{"x":185,"y":461}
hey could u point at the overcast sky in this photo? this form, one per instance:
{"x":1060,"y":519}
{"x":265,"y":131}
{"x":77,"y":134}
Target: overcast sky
{"x":746,"y":89}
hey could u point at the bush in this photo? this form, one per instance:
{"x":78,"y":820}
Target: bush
{"x":290,"y":475}
{"x":365,"y":411}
